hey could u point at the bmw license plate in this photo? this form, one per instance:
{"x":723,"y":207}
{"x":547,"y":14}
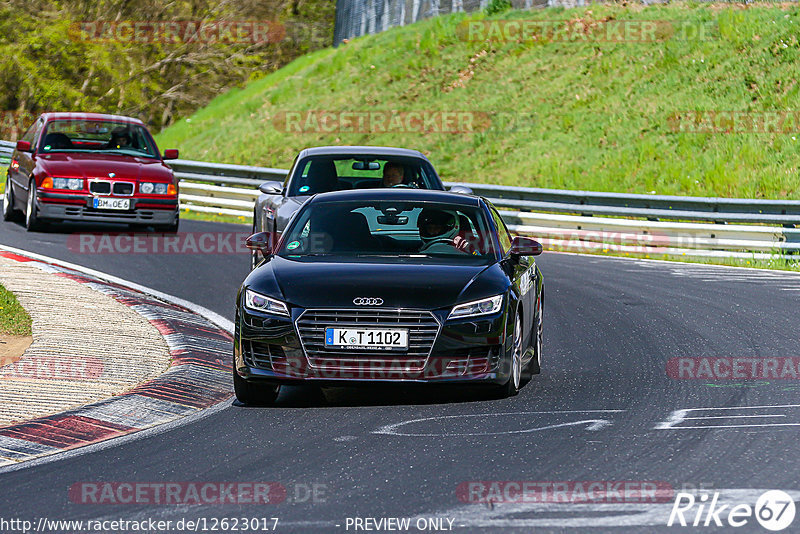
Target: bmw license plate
{"x":112,"y":203}
{"x":366,"y":338}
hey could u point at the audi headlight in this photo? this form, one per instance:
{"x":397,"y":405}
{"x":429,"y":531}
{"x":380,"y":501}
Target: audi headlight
{"x":256,"y":301}
{"x":74,"y":184}
{"x":477,"y":307}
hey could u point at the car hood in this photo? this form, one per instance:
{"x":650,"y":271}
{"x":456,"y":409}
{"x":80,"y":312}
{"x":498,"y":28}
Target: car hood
{"x":76,"y":165}
{"x":313,"y":283}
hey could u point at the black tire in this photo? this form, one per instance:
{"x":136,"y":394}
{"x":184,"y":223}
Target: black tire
{"x":254,"y":393}
{"x":514,"y":383}
{"x":32,"y":222}
{"x":9,"y":213}
{"x":535,"y":364}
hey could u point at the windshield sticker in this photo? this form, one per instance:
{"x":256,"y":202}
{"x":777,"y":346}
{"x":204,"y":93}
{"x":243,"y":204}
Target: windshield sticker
{"x":293,"y":245}
{"x":304,"y":189}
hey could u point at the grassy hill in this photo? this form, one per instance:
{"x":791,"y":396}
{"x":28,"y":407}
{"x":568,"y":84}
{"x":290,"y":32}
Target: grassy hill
{"x":566,"y":113}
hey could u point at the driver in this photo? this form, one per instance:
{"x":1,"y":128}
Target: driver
{"x":393,"y":174}
{"x":120,"y":138}
{"x":438,"y":230}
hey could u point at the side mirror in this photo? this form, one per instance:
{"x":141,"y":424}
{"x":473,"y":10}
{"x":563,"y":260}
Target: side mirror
{"x":525,"y":246}
{"x":260,"y":241}
{"x":171,"y":153}
{"x":462,"y":189}
{"x":271,"y":188}
{"x":24,"y":146}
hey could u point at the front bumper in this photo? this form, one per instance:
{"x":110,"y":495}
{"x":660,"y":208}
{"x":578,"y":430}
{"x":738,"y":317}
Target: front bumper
{"x":271,"y":349}
{"x":70,"y":207}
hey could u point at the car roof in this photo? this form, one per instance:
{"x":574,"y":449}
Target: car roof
{"x":398,"y":194}
{"x":361,"y":151}
{"x":64,"y":115}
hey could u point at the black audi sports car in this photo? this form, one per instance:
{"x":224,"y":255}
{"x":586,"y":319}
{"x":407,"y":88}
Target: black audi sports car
{"x":335,"y":168}
{"x":397,"y":285}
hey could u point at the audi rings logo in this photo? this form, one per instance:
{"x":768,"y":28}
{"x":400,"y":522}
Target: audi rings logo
{"x":367,"y":301}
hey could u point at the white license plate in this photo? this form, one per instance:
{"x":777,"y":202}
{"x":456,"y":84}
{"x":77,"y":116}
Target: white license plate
{"x":366,"y":338}
{"x":112,"y":203}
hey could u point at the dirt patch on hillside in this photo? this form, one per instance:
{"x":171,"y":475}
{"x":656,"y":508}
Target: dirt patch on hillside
{"x":12,"y":348}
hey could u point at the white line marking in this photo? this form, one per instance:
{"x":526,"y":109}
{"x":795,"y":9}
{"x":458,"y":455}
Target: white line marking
{"x":732,"y":416}
{"x":214,"y":317}
{"x":678,"y":416}
{"x":593,"y":424}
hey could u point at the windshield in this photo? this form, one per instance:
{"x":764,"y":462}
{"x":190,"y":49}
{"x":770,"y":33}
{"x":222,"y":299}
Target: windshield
{"x":389,"y":229}
{"x":322,"y":174}
{"x":97,"y":136}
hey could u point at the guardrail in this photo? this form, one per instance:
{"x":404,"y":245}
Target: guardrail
{"x":563,"y":219}
{"x":6,"y":149}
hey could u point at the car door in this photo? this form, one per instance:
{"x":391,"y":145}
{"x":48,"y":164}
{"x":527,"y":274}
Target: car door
{"x":522,"y":273}
{"x":22,"y":163}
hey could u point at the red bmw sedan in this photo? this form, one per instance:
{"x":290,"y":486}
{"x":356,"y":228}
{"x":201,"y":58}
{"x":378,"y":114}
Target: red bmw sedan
{"x":91,"y":167}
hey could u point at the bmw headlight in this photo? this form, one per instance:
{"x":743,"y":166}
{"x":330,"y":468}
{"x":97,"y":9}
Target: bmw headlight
{"x":74,"y":184}
{"x":256,"y":301}
{"x":159,"y":188}
{"x":478,"y":307}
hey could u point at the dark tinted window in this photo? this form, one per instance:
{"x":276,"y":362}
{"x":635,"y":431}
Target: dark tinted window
{"x":502,"y":232}
{"x":97,"y":136}
{"x":406,"y":229}
{"x":30,"y":135}
{"x":322,"y":174}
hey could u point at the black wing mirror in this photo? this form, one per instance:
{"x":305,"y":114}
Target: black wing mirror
{"x":524,"y":246}
{"x":261,"y":241}
{"x":271,"y":188}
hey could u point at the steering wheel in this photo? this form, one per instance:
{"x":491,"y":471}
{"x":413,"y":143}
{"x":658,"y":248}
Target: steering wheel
{"x":446,"y":240}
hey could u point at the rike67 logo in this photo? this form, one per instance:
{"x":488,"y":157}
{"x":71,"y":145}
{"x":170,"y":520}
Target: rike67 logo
{"x":774,"y":510}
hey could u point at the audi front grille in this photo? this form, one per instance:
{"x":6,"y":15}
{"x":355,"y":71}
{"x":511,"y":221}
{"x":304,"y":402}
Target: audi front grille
{"x":422,"y":331}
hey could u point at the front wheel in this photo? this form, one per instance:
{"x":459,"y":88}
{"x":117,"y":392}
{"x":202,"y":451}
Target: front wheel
{"x":511,"y":388}
{"x":9,"y":214}
{"x":253,"y":393}
{"x":536,"y":361}
{"x":32,"y":222}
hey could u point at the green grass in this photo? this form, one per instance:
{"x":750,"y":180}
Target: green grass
{"x":215,"y":217}
{"x":14,"y":320}
{"x":574,"y":115}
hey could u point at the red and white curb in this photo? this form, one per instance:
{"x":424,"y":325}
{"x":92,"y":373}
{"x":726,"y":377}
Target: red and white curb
{"x":198,"y":378}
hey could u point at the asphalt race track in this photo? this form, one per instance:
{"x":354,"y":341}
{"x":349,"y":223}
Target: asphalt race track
{"x":602,"y":410}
